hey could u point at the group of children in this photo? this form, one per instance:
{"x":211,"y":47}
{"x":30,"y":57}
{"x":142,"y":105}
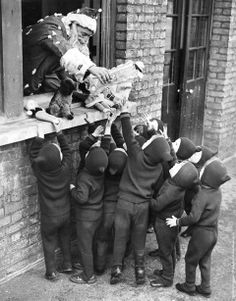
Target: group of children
{"x":124,"y":178}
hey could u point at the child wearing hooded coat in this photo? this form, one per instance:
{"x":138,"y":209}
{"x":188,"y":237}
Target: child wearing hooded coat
{"x":88,"y":195}
{"x":198,"y":159}
{"x":117,"y":159}
{"x":141,"y":172}
{"x":51,"y":164}
{"x":204,"y":217}
{"x":170,"y":201}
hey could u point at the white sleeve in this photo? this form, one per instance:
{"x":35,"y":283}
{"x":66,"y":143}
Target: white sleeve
{"x":75,"y":62}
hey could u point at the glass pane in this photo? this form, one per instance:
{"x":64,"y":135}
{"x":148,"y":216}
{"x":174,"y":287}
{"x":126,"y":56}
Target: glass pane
{"x":172,"y":7}
{"x":196,"y":6}
{"x":170,"y":33}
{"x":193,"y":33}
{"x":200,"y":63}
{"x":205,"y":6}
{"x":191,"y":64}
{"x":169,"y":67}
{"x":202,"y":32}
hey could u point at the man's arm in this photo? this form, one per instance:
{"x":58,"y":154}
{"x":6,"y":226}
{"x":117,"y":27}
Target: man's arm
{"x":80,"y":193}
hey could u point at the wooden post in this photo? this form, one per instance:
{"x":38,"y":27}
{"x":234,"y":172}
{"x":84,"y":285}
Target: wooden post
{"x":11,"y":75}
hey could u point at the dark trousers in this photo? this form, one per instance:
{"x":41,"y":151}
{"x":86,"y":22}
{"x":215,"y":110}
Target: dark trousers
{"x":166,"y":239}
{"x":104,"y":238}
{"x":199,"y":252}
{"x":55,"y":230}
{"x":86,"y":231}
{"x":131,"y":219}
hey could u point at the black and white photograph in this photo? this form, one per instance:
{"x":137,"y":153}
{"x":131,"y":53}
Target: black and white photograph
{"x":117,"y":150}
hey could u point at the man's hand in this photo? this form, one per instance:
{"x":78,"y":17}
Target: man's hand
{"x":101,"y":73}
{"x":172,"y":222}
{"x":40,"y":132}
{"x":98,"y":131}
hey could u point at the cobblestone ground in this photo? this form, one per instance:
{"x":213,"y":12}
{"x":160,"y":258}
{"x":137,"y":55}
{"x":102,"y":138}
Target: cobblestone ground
{"x":32,"y":286}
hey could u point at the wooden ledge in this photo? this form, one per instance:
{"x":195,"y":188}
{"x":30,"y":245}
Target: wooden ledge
{"x":24,"y":127}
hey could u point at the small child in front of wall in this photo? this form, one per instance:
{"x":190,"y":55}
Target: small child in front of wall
{"x":87,"y":195}
{"x":204,"y":217}
{"x":116,"y":163}
{"x":198,"y":159}
{"x":170,"y":201}
{"x":51,"y":164}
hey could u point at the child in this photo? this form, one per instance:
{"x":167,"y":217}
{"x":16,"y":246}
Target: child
{"x":204,"y":218}
{"x":88,"y":195}
{"x":198,"y":159}
{"x":51,"y":165}
{"x":185,"y":148}
{"x":170,"y":201}
{"x":141,"y":172}
{"x":116,"y":164}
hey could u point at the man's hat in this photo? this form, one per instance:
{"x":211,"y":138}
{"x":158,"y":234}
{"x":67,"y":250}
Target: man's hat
{"x":85,"y":17}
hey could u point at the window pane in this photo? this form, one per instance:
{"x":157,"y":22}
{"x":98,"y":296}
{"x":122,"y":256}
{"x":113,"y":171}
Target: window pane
{"x":193,"y":33}
{"x":200,"y":63}
{"x":196,"y":4}
{"x":191,"y":64}
{"x":202,"y":32}
{"x":169,"y":68}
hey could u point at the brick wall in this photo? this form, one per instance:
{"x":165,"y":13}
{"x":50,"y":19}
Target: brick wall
{"x":220,"y":112}
{"x":20,"y":240}
{"x":140,"y":35}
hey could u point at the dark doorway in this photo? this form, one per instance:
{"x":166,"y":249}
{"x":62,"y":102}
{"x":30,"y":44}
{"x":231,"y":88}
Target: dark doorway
{"x":185,"y":67}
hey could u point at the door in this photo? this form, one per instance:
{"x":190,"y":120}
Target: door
{"x":185,"y":82}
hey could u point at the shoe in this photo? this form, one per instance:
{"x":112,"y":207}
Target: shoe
{"x":116,"y":275}
{"x":79,"y":279}
{"x":154,"y":253}
{"x":77,"y":266}
{"x":99,"y":272}
{"x":182,"y":288}
{"x":201,"y":292}
{"x":54,"y":276}
{"x":140,"y":275}
{"x":158,"y":272}
{"x":65,"y":269}
{"x":161,"y":282}
{"x":150,"y":230}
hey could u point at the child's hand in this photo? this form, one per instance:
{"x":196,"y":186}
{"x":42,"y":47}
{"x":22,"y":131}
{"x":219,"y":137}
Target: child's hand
{"x":98,"y":131}
{"x":72,"y":186}
{"x":57,"y":127}
{"x":172,"y":222}
{"x":40,"y":132}
{"x":164,"y":132}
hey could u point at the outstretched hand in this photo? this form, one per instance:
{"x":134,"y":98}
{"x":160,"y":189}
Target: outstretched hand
{"x":101,"y":73}
{"x":98,"y":131}
{"x":172,"y":221}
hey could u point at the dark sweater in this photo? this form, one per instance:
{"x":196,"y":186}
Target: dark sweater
{"x":139,"y":176}
{"x":205,"y":208}
{"x":88,"y":195}
{"x":53,"y":186}
{"x":169,"y":201}
{"x":111,"y":187}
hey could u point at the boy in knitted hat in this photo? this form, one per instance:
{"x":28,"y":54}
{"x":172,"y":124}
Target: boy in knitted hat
{"x":56,"y":47}
{"x":170,"y":201}
{"x":198,"y":159}
{"x":51,"y":164}
{"x":87,"y":195}
{"x":141,"y":172}
{"x":116,"y":163}
{"x":185,"y":148}
{"x":204,"y":217}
